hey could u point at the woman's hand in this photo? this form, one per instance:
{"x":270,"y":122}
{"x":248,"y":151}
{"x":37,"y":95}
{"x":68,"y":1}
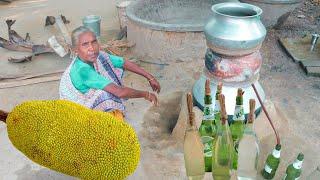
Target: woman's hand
{"x":152,"y":98}
{"x":138,"y":70}
{"x":126,"y":92}
{"x":154,"y":84}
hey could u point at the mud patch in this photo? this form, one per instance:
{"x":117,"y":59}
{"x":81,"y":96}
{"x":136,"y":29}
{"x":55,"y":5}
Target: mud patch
{"x":161,"y":159}
{"x":159,"y":122}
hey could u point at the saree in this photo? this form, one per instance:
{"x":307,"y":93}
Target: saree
{"x":95,"y":98}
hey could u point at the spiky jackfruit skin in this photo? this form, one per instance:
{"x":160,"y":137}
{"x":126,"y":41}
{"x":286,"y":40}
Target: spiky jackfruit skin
{"x":74,"y":140}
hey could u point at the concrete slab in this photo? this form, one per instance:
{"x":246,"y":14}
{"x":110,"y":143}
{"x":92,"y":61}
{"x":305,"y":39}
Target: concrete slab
{"x":313,"y":71}
{"x":299,"y":49}
{"x":310,"y":63}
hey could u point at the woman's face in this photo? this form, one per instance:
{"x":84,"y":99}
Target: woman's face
{"x":88,"y":47}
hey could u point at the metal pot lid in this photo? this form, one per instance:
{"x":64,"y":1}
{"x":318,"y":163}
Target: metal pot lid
{"x":226,"y":10}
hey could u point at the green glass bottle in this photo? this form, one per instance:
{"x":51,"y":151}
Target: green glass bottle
{"x":237,"y":126}
{"x":217,"y":109}
{"x":293,"y":171}
{"x":222,"y":158}
{"x":207,"y":128}
{"x":272,"y":163}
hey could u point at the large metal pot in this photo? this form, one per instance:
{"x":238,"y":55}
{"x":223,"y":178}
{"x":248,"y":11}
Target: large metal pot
{"x":274,"y":9}
{"x":235,"y":29}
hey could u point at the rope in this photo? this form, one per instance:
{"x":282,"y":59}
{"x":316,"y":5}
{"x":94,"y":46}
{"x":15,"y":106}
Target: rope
{"x":267,"y":114}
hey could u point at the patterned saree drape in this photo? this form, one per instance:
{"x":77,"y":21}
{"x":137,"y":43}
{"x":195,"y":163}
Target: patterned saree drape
{"x":95,"y":98}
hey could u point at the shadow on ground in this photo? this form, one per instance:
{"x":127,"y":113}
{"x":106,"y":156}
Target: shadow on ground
{"x":27,"y":173}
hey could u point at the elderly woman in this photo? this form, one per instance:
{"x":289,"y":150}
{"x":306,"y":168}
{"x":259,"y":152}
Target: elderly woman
{"x":93,"y":79}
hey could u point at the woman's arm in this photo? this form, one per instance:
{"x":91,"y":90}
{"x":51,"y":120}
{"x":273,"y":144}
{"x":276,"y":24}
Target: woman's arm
{"x":128,"y":65}
{"x":126,"y":92}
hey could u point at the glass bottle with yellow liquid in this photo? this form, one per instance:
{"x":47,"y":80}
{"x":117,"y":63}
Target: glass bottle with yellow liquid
{"x":193,"y":147}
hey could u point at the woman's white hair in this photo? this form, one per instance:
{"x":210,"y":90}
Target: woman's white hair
{"x":76,"y":34}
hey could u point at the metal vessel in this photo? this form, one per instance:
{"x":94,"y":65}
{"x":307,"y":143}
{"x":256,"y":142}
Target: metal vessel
{"x":235,"y":29}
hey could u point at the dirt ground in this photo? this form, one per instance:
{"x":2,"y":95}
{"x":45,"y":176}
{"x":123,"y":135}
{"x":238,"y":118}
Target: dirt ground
{"x":285,"y":82}
{"x":286,"y":85}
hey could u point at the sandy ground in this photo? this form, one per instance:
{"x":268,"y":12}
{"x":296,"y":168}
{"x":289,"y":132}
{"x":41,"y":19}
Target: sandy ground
{"x":285,"y":84}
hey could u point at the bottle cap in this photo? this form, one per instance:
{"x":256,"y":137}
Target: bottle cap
{"x":252,"y":104}
{"x":223,"y":108}
{"x":239,"y":98}
{"x":300,"y":157}
{"x":190,"y":108}
{"x":278,"y":147}
{"x":219,"y":90}
{"x":207,"y":87}
{"x":189,"y":102}
{"x":219,"y":87}
{"x":240,"y":92}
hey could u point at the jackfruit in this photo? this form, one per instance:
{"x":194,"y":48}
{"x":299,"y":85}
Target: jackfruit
{"x":73,"y":139}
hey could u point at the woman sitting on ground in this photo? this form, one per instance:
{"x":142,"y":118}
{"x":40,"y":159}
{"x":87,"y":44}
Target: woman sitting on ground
{"x":93,"y":79}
